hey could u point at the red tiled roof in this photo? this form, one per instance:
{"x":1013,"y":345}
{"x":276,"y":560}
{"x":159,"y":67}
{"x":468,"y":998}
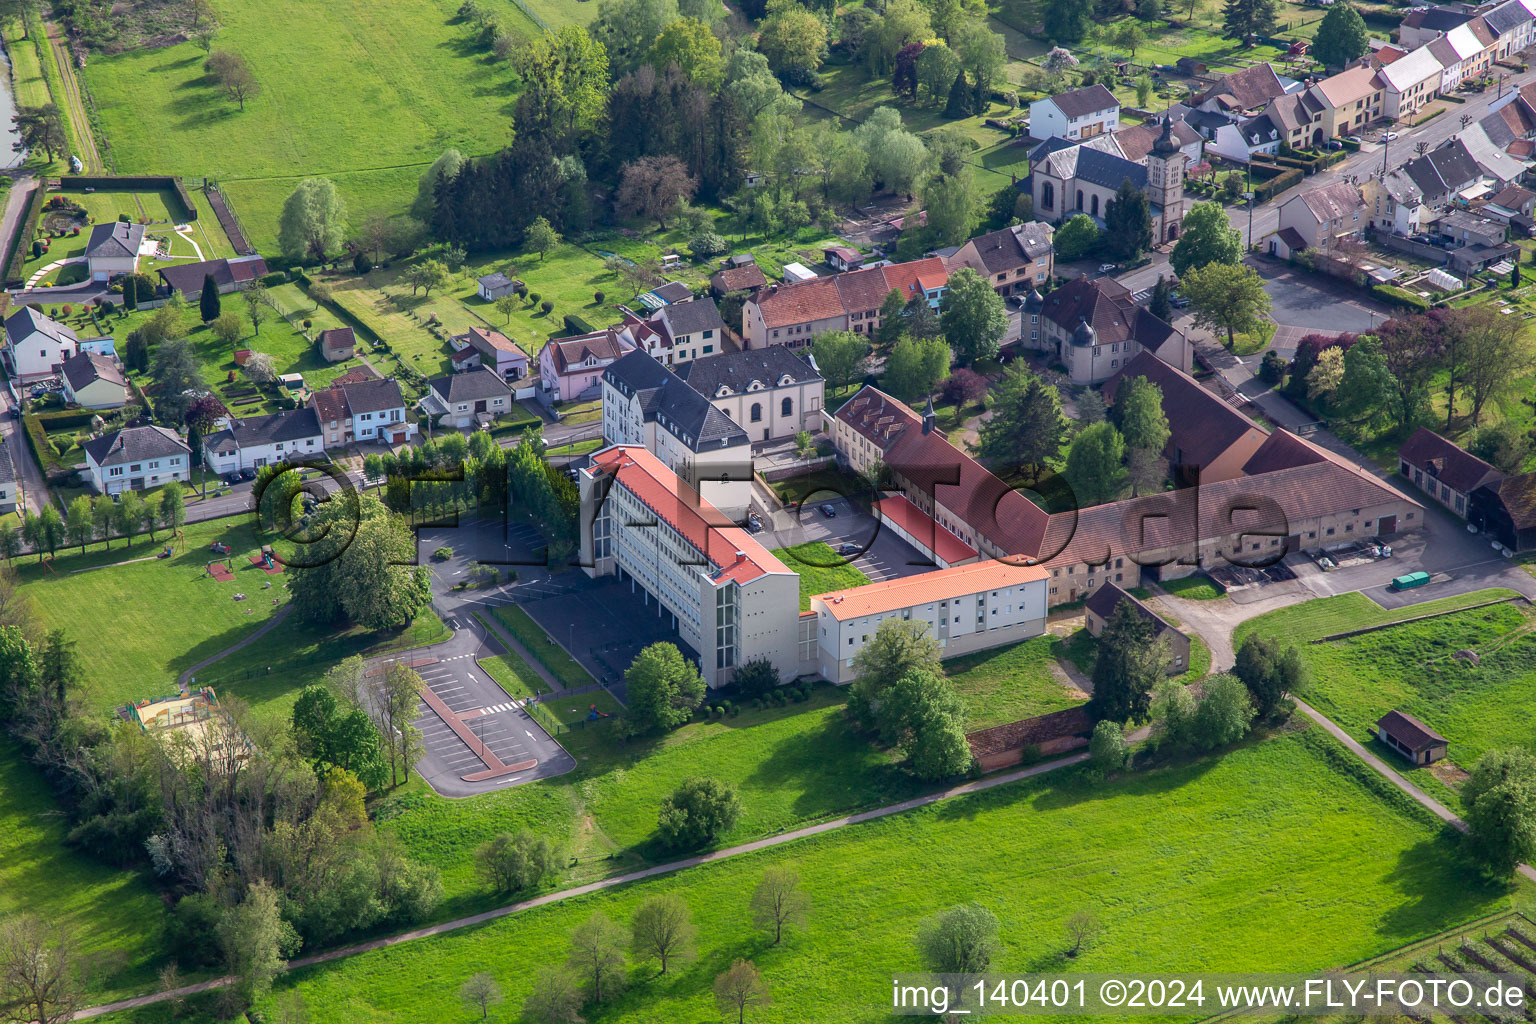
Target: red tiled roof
{"x":493,"y":339}
{"x":330,"y":404}
{"x":801,"y":302}
{"x":926,"y":273}
{"x":464,"y":355}
{"x":920,"y":525}
{"x":924,"y":588}
{"x":602,"y":345}
{"x":1201,"y":426}
{"x":1408,"y":731}
{"x":679,"y":506}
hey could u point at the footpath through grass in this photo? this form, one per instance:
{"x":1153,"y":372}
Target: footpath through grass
{"x":1235,"y":863}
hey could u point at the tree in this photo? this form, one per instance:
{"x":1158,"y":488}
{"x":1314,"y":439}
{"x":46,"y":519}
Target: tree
{"x":922,"y":714}
{"x":950,"y":200}
{"x":1068,"y":21}
{"x":431,"y":274}
{"x":974,"y":317}
{"x":444,"y":168}
{"x":40,"y":128}
{"x":1173,"y":711}
{"x":360,"y":572}
{"x":1496,"y":351}
{"x":1365,"y":391}
{"x":915,"y":368}
{"x":1130,"y":660}
{"x":1075,"y":239}
{"x":255,"y":940}
{"x":805,"y":447}
{"x":313,"y":222}
{"x":10,"y":540}
{"x":758,"y":676}
{"x":889,"y":331}
{"x":1226,"y":297}
{"x":233,"y":75}
{"x":518,"y":862}
{"x":897,"y":158}
{"x":662,"y":930}
{"x":1269,"y":672}
{"x":1341,"y":36}
{"x":506,"y":306}
{"x":261,"y":368}
{"x":664,"y":687}
{"x":739,"y":987}
{"x":899,"y":647}
{"x":1127,"y":223}
{"x":840,"y":356}
{"x":1225,"y":712}
{"x":794,"y":40}
{"x":651,"y":187}
{"x":1144,"y":87}
{"x":1096,"y":465}
{"x":937,"y":68}
{"x":553,"y":1000}
{"x":1139,"y":414}
{"x":79,"y":528}
{"x":958,"y":103}
{"x":1027,"y":427}
{"x":173,"y":507}
{"x":1207,"y":236}
{"x":696,"y":812}
{"x":1326,"y":375}
{"x":1503,"y":445}
{"x":228,"y":328}
{"x":982,"y":51}
{"x":1107,"y":749}
{"x":208,"y":299}
{"x":1247,"y":19}
{"x":778,"y":903}
{"x":688,"y":45}
{"x":103,"y":517}
{"x":1161,"y":303}
{"x":597,"y":956}
{"x":1500,"y":797}
{"x":1130,"y":36}
{"x":541,"y":237}
{"x":960,"y":940}
{"x":178,"y":378}
{"x":480,"y":992}
{"x":1082,"y":927}
{"x":1411,"y":348}
{"x":903,"y":22}
{"x":39,"y":971}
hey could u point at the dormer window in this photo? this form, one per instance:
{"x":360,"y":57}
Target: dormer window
{"x":723,"y":391}
{"x":785,"y":381}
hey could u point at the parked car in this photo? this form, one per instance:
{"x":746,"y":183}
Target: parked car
{"x":247,"y":474}
{"x":1353,"y":138}
{"x":1335,"y":144}
{"x":848,"y":549}
{"x":1389,"y":136}
{"x":1108,"y":268}
{"x":828,"y":511}
{"x":1178,"y":301}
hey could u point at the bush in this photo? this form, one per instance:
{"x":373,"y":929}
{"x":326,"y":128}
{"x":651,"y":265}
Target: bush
{"x":1400,"y":297}
{"x":696,"y":812}
{"x":576,"y":325}
{"x":598,"y":297}
{"x":546,"y":306}
{"x":533,"y":298}
{"x":442,"y":554}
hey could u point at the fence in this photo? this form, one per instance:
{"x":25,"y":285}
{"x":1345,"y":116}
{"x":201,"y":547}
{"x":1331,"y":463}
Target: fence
{"x":1418,"y":250}
{"x":227,"y":220}
{"x":533,"y":16}
{"x":26,"y":228}
{"x":553,"y":725}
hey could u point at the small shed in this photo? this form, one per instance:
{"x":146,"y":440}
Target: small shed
{"x":1102,"y":605}
{"x":337,"y":344}
{"x":494,"y":286}
{"x":843,"y":257}
{"x":1410,"y":737}
{"x":1443,"y":280}
{"x":798,"y":272}
{"x":291,"y":381}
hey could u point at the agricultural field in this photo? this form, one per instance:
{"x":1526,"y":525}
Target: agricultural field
{"x":1244,"y":875}
{"x":1008,"y":684}
{"x":365,"y":95}
{"x":821,"y":570}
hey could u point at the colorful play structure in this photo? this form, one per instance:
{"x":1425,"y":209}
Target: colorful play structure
{"x":593,"y":714}
{"x":266,"y":560}
{"x":176,"y":712}
{"x":223,"y":571}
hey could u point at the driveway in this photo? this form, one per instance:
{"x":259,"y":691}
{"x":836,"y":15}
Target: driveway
{"x":1303,"y":303}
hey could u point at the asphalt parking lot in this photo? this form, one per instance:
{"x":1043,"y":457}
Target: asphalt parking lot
{"x":1307,"y":303}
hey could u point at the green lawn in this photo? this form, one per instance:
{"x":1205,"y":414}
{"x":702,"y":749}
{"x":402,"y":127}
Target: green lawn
{"x":1325,"y":616}
{"x":821,"y":570}
{"x":349,"y":90}
{"x":140,"y":625}
{"x":1007,"y":684}
{"x":1192,"y":588}
{"x":1233,"y":863}
{"x":544,"y":650}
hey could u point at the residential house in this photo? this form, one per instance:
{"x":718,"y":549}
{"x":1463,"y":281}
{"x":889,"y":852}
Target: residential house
{"x":662,"y":295}
{"x":1412,"y":738}
{"x":1094,"y":327}
{"x":746,"y":278}
{"x":251,"y":442}
{"x":1014,"y":259}
{"x":1108,"y":597}
{"x":10,"y":494}
{"x":1443,"y":174}
{"x":572,"y":368}
{"x":1466,"y":228}
{"x":1209,"y":441}
{"x":136,"y":458}
{"x":495,"y":286}
{"x":1465,"y":52}
{"x":113,"y":249}
{"x":1420,"y":27}
{"x":1323,"y":216}
{"x":1078,"y":115}
{"x":1497,"y":166}
{"x":94,"y":382}
{"x":1445,"y":471}
{"x":355,"y":411}
{"x":493,"y":350}
{"x":1350,"y":100}
{"x":1505,"y":510}
{"x":685,"y":330}
{"x":772,"y":392}
{"x":1135,"y":142}
{"x":337,"y":344}
{"x":1396,"y":204}
{"x":1411,"y":82}
{"x":843,"y":257}
{"x":1083,"y":178}
{"x":229,"y":275}
{"x":463,"y":401}
{"x":795,"y":312}
{"x":1511,"y":23}
{"x":1510,"y":204}
{"x":1244,"y":92}
{"x":645,"y":403}
{"x":36,"y":346}
{"x":1239,"y":141}
{"x":1299,"y":116}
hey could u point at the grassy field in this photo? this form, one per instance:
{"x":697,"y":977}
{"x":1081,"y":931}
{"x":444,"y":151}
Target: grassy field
{"x":140,"y":625}
{"x":544,"y":650}
{"x":821,"y":570}
{"x":1192,"y":588}
{"x":113,"y":912}
{"x":1010,"y":683}
{"x":349,"y":90}
{"x":1324,"y":616}
{"x":1244,"y":873}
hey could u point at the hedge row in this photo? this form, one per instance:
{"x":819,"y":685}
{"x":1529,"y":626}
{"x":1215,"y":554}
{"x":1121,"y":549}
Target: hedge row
{"x":1400,"y":297}
{"x":576,"y":325}
{"x":1266,"y":190}
{"x":37,"y":440}
{"x":132,"y":183}
{"x":25,"y":229}
{"x":65,"y":419}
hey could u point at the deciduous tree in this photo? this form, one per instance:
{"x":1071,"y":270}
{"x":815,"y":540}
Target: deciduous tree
{"x":778,"y":904}
{"x":255,"y":941}
{"x":960,"y":940}
{"x":840,"y":355}
{"x":597,"y":956}
{"x":915,"y":367}
{"x":313,"y":222}
{"x":739,"y":987}
{"x":664,"y":687}
{"x":652,"y":185}
{"x":899,"y":647}
{"x":541,"y":237}
{"x":696,"y":812}
{"x":1500,"y":798}
{"x":1130,"y":661}
{"x":1225,"y":712}
{"x":1076,"y":238}
{"x":1341,"y":36}
{"x":39,"y":971}
{"x":663,"y":930}
{"x":554,"y":999}
{"x":480,"y":992}
{"x":974,"y":317}
{"x":1096,"y":465}
{"x":1226,"y":297}
{"x":1206,"y":236}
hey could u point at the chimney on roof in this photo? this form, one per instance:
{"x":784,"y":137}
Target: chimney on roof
{"x":741,"y":556}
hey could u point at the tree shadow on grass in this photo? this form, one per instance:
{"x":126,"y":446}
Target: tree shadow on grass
{"x":1428,"y":902}
{"x":836,"y":768}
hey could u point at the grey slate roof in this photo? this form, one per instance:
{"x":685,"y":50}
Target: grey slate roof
{"x":669,"y":401}
{"x":1443,"y":170}
{"x":114,"y":240}
{"x":7,"y":468}
{"x":691,"y":317}
{"x":1436,"y":19}
{"x":27,"y":320}
{"x":134,"y":444}
{"x":474,"y":386}
{"x":1079,"y":102}
{"x":496,"y":280}
{"x":737,"y":370}
{"x":84,"y":368}
{"x":1506,"y":17}
{"x":373,"y":396}
{"x":251,"y":431}
{"x":1260,"y":130}
{"x":673,"y":291}
{"x":1108,"y":170}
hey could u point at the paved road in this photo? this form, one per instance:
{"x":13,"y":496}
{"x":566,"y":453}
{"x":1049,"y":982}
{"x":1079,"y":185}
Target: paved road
{"x":33,"y":488}
{"x":782,"y":838}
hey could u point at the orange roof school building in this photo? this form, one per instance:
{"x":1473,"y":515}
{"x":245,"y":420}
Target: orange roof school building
{"x":1259,"y":495}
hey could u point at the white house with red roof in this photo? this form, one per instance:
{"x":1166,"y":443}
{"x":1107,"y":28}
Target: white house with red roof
{"x":572,"y":368}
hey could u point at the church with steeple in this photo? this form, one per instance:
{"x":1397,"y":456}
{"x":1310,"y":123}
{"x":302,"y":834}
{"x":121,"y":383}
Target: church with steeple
{"x":1068,"y":177}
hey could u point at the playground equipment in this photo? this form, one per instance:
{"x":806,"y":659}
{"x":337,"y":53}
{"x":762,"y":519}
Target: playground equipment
{"x":593,"y":714}
{"x":219,"y":548}
{"x":221,"y":571}
{"x":166,"y":553}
